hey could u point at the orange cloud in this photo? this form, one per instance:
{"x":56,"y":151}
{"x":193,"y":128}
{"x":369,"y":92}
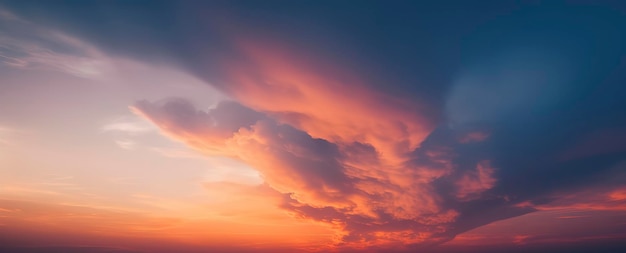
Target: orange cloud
{"x":339,"y":151}
{"x":346,"y":185}
{"x":591,"y":199}
{"x":322,"y":100}
{"x":618,"y":195}
{"x":476,"y":181}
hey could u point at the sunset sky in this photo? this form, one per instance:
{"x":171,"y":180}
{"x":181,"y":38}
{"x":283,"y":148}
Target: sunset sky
{"x":312,"y":126}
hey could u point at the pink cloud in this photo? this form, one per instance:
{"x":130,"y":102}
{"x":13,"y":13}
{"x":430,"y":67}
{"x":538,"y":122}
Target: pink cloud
{"x":322,"y":180}
{"x":323,"y":100}
{"x":474,"y":136}
{"x":339,"y":151}
{"x":476,"y":181}
{"x":349,"y":185}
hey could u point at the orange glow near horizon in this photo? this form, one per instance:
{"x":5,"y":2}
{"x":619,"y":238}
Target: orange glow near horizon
{"x":242,"y":133}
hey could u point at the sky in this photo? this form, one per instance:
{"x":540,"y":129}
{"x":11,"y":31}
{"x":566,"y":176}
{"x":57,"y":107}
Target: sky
{"x":312,"y":126}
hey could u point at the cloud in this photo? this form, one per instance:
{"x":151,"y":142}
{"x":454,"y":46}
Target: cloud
{"x":375,"y":166}
{"x":126,"y":130}
{"x":290,"y":159}
{"x":476,"y":181}
{"x":585,"y":216}
{"x":443,"y":188}
{"x":474,"y":136}
{"x":131,"y":126}
{"x":125,"y":144}
{"x":20,"y":54}
{"x":343,"y":184}
{"x":27,"y":45}
{"x":322,"y":100}
{"x":516,"y":128}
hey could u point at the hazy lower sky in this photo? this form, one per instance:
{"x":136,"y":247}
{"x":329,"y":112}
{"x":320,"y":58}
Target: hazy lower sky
{"x":312,"y":126}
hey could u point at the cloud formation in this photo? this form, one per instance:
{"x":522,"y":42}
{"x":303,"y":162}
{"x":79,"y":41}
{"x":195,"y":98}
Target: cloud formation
{"x":348,"y":185}
{"x":381,"y":169}
{"x":27,"y":45}
{"x":510,"y":129}
{"x":370,"y":165}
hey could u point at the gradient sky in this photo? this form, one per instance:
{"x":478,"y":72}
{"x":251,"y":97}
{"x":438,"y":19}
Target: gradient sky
{"x":312,"y":126}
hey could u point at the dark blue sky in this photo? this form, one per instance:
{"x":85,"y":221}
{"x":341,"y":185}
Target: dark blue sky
{"x":545,"y":80}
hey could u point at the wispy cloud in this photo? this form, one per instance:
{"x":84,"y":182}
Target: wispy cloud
{"x":125,"y":130}
{"x":20,"y":54}
{"x":125,"y":144}
{"x":27,"y":45}
{"x":476,"y":181}
{"x":128,"y":125}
